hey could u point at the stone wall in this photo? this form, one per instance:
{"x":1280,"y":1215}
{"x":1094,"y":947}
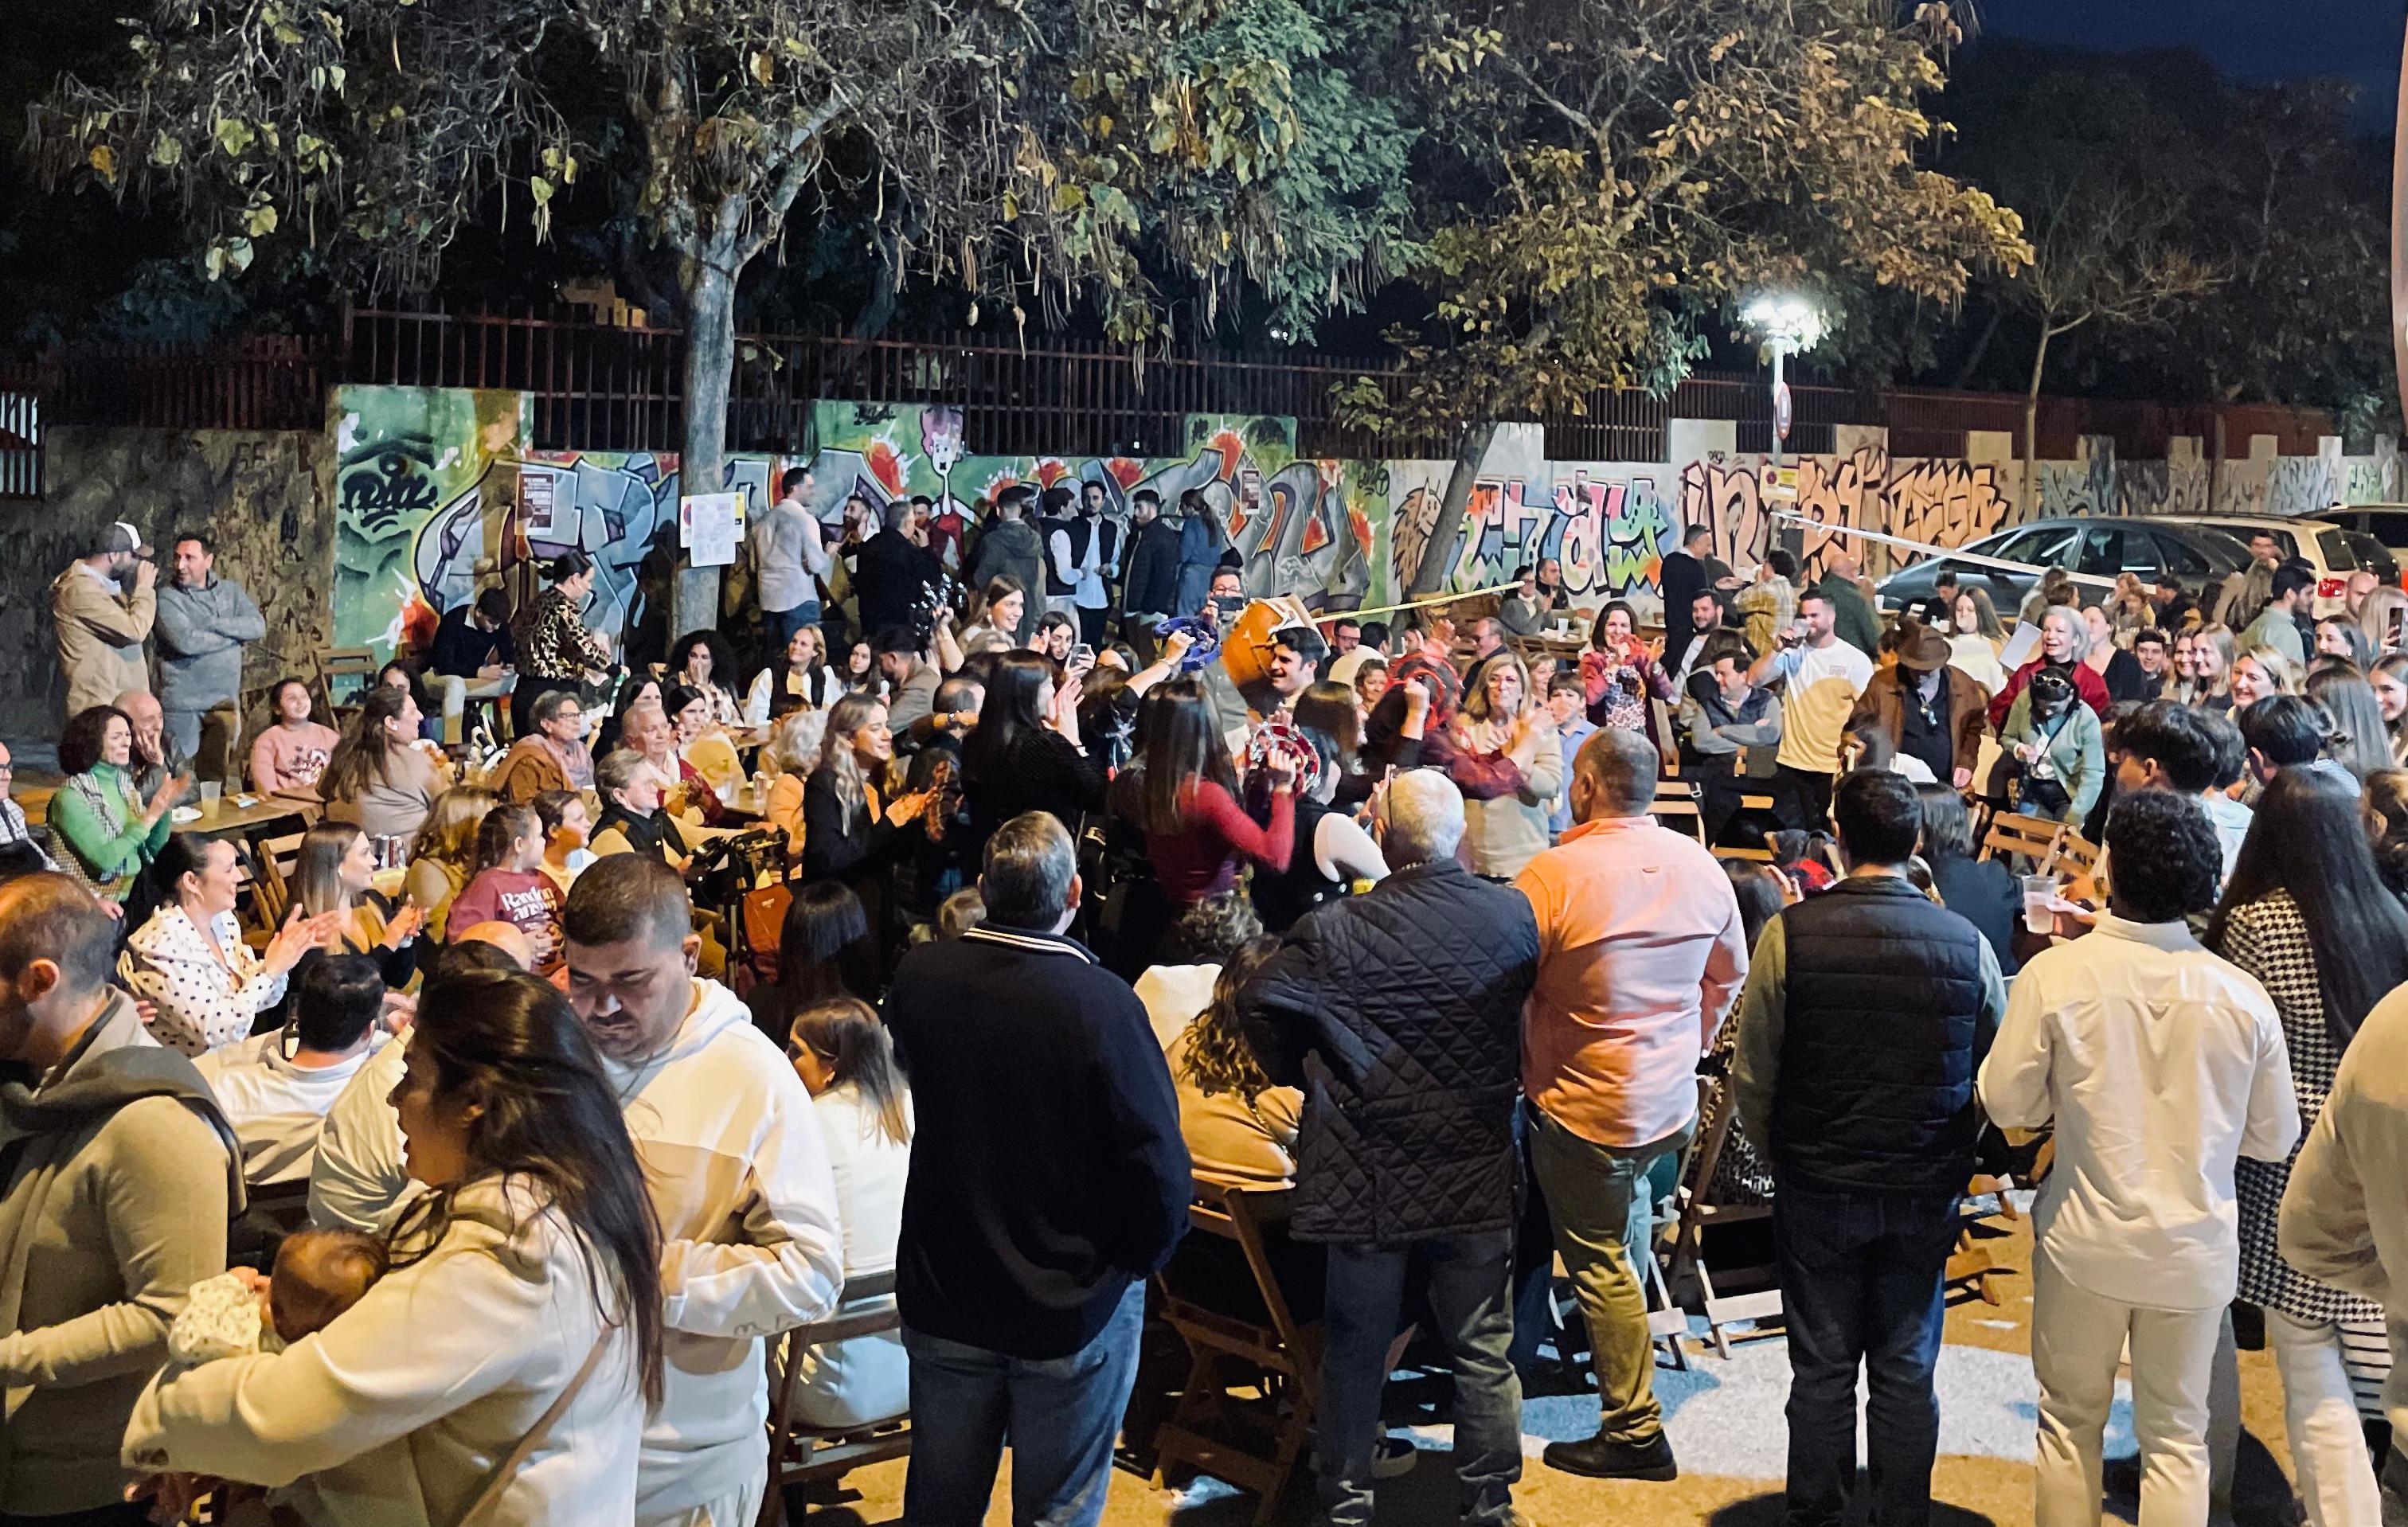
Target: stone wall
{"x":265,"y":496}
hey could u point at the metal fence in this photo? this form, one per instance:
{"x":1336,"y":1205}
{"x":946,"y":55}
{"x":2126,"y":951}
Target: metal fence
{"x":602,"y":386}
{"x":20,"y":433}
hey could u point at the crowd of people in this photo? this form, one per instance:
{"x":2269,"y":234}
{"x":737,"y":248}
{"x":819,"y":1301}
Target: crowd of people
{"x":1094,"y":897}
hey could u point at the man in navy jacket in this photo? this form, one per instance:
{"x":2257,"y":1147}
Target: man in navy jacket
{"x":1048,"y":1181}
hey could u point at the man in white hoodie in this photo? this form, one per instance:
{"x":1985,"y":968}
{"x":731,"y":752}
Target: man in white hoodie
{"x":740,"y":1175}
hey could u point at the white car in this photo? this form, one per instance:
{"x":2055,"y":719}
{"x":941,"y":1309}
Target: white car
{"x":2333,"y":550}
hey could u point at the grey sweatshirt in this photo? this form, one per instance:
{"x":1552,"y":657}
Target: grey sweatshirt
{"x":201,"y":636}
{"x":114,"y":1204}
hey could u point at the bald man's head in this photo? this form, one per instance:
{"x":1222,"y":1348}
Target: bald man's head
{"x":1614,"y":775}
{"x":506,"y":936}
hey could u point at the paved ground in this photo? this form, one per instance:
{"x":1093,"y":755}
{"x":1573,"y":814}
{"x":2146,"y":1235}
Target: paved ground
{"x":1726,"y":1423}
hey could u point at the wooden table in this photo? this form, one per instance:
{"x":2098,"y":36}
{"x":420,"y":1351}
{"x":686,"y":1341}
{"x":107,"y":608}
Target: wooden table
{"x":228,"y":817}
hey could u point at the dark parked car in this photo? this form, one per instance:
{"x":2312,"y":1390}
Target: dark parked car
{"x":2190,"y":556}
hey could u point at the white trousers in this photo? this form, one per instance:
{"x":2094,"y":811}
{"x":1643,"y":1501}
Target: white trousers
{"x":2336,"y":1474}
{"x":740,"y":1508}
{"x":2078,"y":1343}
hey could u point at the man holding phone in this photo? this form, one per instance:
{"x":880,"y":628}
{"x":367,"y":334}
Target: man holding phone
{"x":1824,"y":675}
{"x":104,"y":606}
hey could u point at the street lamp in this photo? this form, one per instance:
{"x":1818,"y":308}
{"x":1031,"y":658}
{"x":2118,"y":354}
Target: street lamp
{"x":1785,"y":322}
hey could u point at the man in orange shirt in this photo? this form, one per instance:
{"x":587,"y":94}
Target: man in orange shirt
{"x":1640,"y":955}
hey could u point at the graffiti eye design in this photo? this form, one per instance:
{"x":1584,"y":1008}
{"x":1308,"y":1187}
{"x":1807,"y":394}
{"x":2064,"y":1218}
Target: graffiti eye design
{"x":379,"y":484}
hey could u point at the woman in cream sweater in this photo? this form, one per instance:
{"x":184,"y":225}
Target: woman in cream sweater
{"x":529,"y":1276}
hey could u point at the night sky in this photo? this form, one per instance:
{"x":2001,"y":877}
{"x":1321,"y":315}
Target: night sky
{"x":2252,"y":39}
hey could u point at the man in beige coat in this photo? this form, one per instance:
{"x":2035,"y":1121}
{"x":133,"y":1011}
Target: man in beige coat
{"x":103,"y":606}
{"x":2344,"y":1218}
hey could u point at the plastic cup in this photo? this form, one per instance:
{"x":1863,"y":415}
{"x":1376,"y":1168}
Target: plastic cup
{"x":210,"y":790}
{"x":2039,"y":891}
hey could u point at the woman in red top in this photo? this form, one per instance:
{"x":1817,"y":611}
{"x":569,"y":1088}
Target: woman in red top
{"x":1195,"y":832}
{"x":2064,"y":640}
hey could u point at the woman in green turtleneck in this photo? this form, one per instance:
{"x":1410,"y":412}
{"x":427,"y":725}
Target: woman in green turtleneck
{"x":97,"y":815}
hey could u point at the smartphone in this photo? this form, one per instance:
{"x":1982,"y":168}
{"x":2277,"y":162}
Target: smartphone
{"x":1083,"y":657}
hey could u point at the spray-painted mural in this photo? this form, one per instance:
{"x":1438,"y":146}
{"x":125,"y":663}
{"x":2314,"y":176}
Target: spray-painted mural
{"x":403,"y":455}
{"x":436,"y":494}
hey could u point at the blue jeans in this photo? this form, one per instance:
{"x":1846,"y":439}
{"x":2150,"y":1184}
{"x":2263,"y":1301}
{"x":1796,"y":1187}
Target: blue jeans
{"x":781,"y":624}
{"x":1059,"y":1416}
{"x":1860,"y":1283}
{"x":1468,"y":1280}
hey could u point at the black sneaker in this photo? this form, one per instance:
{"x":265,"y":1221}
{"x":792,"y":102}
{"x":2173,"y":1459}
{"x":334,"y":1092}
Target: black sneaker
{"x":1604,"y":1458}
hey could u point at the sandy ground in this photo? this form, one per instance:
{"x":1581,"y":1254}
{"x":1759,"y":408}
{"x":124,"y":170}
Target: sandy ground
{"x":1725,"y":1418}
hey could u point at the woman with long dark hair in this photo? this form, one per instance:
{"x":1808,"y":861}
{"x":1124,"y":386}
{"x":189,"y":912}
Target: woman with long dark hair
{"x":997,"y":613}
{"x":379,"y":777}
{"x":1197,"y":835}
{"x":1026,"y":754}
{"x":555,"y":651}
{"x":525,"y":1285}
{"x":205,"y":987}
{"x":1618,"y":673}
{"x":2308,"y":914}
{"x":702,"y":661}
{"x":402,"y":673}
{"x":1331,"y":852}
{"x":825,"y":954}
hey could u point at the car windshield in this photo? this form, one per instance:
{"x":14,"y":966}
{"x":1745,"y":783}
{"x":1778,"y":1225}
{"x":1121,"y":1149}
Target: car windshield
{"x":2374,"y":556}
{"x":2222,"y":544}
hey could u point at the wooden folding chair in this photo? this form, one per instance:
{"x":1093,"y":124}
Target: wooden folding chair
{"x":2076,"y":855}
{"x":1676,"y":806}
{"x":339,"y":668}
{"x":802,"y":1455}
{"x":2011,"y":835}
{"x":272,"y":887}
{"x":1255,"y":1444}
{"x":1699,"y":1213}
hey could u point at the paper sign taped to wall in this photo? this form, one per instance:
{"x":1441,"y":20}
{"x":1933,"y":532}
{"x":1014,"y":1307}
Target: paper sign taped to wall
{"x":2020,"y":646}
{"x":708,"y":527}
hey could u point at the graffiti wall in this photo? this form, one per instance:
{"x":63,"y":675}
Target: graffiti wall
{"x":436,"y":495}
{"x":404,"y":458}
{"x":265,"y":497}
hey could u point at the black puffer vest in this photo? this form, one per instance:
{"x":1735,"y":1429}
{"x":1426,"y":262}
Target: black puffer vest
{"x":1876,"y":1081}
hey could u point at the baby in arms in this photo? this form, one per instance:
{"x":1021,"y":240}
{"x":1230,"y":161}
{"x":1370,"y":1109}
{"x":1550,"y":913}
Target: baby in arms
{"x":319,"y":1274}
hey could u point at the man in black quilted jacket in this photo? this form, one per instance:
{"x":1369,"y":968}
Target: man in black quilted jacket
{"x":1399,"y":1012}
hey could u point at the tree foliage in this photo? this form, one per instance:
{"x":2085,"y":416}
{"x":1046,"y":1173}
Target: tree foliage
{"x":1016,"y":150}
{"x":1620,"y":171}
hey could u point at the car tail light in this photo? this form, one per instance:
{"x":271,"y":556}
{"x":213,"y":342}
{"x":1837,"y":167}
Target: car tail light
{"x":2332,"y":588}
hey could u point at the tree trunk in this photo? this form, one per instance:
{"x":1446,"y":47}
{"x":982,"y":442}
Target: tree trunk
{"x":1438,"y":558}
{"x":710,"y":363}
{"x":2025,"y":505}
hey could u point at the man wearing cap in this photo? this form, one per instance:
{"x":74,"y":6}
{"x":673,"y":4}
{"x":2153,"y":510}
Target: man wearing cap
{"x":103,"y":606}
{"x":205,"y":621}
{"x":1924,"y":709}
